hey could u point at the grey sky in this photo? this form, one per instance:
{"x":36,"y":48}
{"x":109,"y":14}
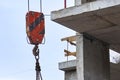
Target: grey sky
{"x":16,"y":59}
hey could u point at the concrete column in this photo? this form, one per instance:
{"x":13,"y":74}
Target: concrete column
{"x":92,"y":59}
{"x":79,"y":2}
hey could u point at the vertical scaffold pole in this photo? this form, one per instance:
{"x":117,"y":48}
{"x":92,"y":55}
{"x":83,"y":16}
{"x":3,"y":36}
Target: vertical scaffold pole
{"x":65,"y":3}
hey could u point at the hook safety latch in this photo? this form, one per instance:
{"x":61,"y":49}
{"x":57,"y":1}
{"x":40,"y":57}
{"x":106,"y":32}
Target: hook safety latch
{"x":36,"y":52}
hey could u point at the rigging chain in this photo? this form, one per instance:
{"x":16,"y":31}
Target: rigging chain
{"x":37,"y":67}
{"x":36,"y":51}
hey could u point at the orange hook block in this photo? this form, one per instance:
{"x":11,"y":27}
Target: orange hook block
{"x":35,"y":27}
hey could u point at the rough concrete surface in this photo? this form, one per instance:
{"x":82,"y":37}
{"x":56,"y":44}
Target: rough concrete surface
{"x":100,"y":19}
{"x":114,"y":70}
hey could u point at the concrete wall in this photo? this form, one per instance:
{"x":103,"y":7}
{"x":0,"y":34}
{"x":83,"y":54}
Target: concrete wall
{"x":70,"y":70}
{"x":71,"y":75}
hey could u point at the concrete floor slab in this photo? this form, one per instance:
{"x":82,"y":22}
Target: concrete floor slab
{"x":100,"y":19}
{"x":67,"y":66}
{"x":114,"y":68}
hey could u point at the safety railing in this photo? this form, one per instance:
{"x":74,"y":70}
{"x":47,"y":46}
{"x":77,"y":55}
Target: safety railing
{"x":65,"y":4}
{"x":70,"y":40}
{"x":68,"y":1}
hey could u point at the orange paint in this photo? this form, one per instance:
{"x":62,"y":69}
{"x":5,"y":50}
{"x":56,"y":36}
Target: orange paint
{"x":35,"y":27}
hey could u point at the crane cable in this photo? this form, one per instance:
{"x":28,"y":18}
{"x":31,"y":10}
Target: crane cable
{"x":40,"y":5}
{"x":36,"y":51}
{"x":28,"y":6}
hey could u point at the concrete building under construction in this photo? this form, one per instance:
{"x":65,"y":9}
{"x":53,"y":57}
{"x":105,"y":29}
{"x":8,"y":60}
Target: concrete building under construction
{"x":97,"y":23}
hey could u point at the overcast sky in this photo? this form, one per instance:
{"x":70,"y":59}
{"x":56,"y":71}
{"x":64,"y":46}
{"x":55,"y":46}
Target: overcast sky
{"x":16,"y":59}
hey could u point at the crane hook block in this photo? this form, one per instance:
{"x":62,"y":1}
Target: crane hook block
{"x":35,"y":27}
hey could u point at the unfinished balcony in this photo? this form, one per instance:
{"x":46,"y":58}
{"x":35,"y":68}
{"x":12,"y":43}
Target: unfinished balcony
{"x":98,"y":18}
